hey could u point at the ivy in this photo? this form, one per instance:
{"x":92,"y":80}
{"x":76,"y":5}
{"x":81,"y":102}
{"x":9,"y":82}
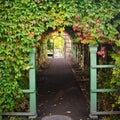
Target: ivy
{"x":93,"y":23}
{"x":24,"y":23}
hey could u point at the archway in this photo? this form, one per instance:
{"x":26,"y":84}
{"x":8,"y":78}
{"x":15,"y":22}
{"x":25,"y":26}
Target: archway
{"x":58,"y":92}
{"x":32,"y":19}
{"x":59,"y":45}
{"x":55,"y":46}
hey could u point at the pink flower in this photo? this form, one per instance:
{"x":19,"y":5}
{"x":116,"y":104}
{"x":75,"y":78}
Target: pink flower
{"x":101,"y":52}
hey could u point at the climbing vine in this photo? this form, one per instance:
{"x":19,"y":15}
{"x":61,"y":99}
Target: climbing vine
{"x":24,"y":23}
{"x":93,"y":24}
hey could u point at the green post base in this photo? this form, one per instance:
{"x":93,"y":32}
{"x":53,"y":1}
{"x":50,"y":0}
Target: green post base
{"x":93,"y":117}
{"x":33,"y":117}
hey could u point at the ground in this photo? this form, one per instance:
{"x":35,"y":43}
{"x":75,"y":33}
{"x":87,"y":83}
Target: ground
{"x":58,"y":92}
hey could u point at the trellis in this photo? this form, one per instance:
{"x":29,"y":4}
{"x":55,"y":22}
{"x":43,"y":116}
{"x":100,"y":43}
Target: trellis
{"x":93,"y":85}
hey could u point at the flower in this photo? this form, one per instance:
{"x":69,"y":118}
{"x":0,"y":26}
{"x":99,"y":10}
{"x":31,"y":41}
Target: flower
{"x":101,"y":52}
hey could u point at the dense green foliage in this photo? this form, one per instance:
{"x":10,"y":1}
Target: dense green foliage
{"x":24,"y":23}
{"x":21,"y":26}
{"x":93,"y":23}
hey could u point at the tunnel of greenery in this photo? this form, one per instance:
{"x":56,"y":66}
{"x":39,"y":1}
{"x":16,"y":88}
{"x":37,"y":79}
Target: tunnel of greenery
{"x":27,"y":23}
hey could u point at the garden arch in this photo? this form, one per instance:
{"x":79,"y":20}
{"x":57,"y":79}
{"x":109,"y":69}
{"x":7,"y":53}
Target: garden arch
{"x":93,"y":94}
{"x":24,"y":22}
{"x":61,"y":40}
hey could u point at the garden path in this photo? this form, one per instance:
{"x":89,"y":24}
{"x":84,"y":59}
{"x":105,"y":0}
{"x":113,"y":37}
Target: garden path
{"x":59,"y":94}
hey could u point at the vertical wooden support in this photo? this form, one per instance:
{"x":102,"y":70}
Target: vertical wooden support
{"x":93,"y":81}
{"x":32,"y":83}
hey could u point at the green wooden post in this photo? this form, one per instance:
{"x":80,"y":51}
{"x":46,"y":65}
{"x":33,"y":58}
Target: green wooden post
{"x":32,"y":84}
{"x":93,"y":81}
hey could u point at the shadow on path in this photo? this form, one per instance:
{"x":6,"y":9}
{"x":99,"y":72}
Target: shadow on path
{"x":58,"y":92}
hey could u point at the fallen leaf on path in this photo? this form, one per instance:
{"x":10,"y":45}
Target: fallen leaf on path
{"x":68,"y":112}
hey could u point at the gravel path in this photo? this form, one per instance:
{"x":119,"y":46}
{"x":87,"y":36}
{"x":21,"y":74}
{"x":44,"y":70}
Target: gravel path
{"x":58,"y":94}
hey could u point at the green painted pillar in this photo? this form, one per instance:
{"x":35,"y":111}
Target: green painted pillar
{"x":32,"y":83}
{"x":93,"y":80}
